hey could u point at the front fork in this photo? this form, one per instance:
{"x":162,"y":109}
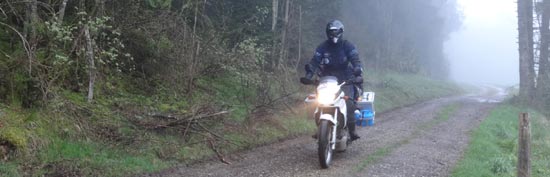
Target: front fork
{"x":334,"y":121}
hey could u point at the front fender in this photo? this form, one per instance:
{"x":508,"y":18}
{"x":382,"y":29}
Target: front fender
{"x":328,"y":117}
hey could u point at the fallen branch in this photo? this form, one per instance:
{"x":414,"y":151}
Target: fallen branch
{"x":217,"y":135}
{"x":220,"y":156}
{"x":182,"y":121}
{"x":187,"y":128}
{"x":165,"y":116}
{"x":212,"y":115}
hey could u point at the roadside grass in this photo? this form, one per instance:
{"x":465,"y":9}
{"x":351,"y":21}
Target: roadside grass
{"x":52,"y":144}
{"x":85,"y":158}
{"x":10,"y":169}
{"x":493,"y":146}
{"x":442,"y":116}
{"x":74,"y":138}
{"x":395,"y":90}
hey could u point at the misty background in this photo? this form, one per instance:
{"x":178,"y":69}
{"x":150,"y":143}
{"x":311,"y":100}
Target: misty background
{"x":158,"y":81}
{"x":485,"y":49}
{"x":402,"y":36}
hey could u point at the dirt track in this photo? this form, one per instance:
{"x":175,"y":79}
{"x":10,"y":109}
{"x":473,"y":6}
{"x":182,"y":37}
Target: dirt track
{"x":410,"y":141}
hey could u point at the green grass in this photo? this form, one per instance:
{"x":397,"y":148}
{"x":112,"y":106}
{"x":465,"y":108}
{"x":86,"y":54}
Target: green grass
{"x":297,"y":124}
{"x":493,"y":146}
{"x":231,"y":93}
{"x":60,"y":145}
{"x":10,"y":169}
{"x":75,"y":138}
{"x":393,"y":90}
{"x":85,"y":157}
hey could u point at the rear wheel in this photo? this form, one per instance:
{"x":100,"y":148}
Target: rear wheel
{"x":325,"y":148}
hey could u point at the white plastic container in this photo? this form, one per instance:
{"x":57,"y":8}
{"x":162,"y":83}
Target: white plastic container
{"x":366,"y":106}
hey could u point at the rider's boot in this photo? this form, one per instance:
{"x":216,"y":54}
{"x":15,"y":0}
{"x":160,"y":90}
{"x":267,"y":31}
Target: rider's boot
{"x":351,"y":128}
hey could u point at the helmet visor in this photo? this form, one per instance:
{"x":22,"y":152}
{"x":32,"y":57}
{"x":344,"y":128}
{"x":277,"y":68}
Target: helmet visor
{"x":334,"y":33}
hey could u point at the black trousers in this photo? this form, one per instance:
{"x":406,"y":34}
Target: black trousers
{"x":352,"y":92}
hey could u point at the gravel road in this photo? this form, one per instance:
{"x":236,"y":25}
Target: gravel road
{"x":409,"y":141}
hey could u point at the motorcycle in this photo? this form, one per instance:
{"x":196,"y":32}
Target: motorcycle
{"x":330,"y":116}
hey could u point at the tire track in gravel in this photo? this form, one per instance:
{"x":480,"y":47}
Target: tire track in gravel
{"x":396,"y":146}
{"x":435,"y":151}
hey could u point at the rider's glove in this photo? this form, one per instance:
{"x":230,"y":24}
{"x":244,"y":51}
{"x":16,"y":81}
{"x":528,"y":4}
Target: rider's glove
{"x":358,"y":80}
{"x":306,"y":81}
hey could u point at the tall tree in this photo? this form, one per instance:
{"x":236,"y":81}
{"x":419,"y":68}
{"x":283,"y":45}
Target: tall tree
{"x":543,"y":78}
{"x":91,"y":63}
{"x":526,"y":53}
{"x":283,"y":51}
{"x":275,"y":7}
{"x":61,"y":12}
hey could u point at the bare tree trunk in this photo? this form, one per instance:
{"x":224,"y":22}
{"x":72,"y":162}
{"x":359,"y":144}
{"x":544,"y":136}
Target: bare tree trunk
{"x":544,"y":40}
{"x":30,"y":29}
{"x":101,"y":11}
{"x":543,"y":79}
{"x":34,"y":21}
{"x":272,"y":63}
{"x":299,"y":39}
{"x":386,"y":47}
{"x":526,"y":55}
{"x":195,"y":50}
{"x":275,"y":15}
{"x":33,"y":42}
{"x":195,"y":21}
{"x":91,"y":63}
{"x":61,"y":12}
{"x":283,"y":36}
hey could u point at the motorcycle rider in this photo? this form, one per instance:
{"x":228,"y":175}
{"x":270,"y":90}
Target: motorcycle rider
{"x":333,"y":58}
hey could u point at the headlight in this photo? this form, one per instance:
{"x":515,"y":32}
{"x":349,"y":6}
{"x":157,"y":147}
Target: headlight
{"x":326,"y":97}
{"x":326,"y":92}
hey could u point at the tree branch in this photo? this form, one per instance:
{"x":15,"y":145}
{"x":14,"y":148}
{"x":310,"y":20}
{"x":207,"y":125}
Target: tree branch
{"x":3,"y":12}
{"x":26,"y":45}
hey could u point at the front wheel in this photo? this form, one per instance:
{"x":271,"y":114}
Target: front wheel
{"x":325,"y":147}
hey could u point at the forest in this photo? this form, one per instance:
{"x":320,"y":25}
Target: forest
{"x":118,"y":71}
{"x":148,"y":46}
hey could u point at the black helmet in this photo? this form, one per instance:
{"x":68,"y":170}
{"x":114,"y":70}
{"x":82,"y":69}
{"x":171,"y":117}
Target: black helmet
{"x":335,"y":31}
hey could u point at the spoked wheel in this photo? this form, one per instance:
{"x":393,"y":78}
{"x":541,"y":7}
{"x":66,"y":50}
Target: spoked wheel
{"x":325,"y":148}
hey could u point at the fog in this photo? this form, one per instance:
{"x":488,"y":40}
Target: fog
{"x":485,"y":49}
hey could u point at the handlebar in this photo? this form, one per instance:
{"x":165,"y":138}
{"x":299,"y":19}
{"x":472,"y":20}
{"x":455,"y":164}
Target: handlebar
{"x":315,"y":82}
